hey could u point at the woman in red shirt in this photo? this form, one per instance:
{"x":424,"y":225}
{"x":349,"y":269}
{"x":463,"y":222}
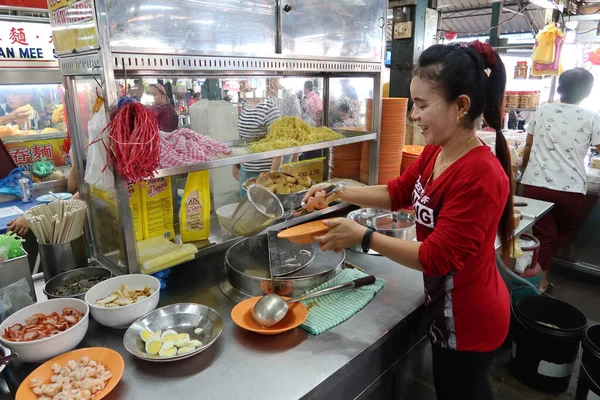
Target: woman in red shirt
{"x":163,"y":107}
{"x":461,"y":195}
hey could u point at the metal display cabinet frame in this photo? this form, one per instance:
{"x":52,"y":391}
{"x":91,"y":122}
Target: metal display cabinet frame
{"x":108,"y":63}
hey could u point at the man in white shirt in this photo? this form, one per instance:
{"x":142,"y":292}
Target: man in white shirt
{"x":558,"y":140}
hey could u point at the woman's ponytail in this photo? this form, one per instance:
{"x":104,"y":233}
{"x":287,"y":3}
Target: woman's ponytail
{"x":494,"y":107}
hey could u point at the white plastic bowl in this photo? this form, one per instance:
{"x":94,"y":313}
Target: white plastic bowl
{"x":122,"y":317}
{"x":224,"y":214}
{"x":47,"y":348}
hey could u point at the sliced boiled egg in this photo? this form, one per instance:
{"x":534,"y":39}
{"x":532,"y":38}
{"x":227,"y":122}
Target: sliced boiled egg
{"x":145,"y":334}
{"x":153,"y":346}
{"x":168,"y":352}
{"x":157,"y":334}
{"x":169,"y":334}
{"x":169,"y":344}
{"x":195,"y":343}
{"x":185,"y":350}
{"x":182,"y":340}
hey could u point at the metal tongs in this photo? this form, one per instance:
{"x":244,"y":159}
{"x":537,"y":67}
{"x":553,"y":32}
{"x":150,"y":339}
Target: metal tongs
{"x":328,"y":190}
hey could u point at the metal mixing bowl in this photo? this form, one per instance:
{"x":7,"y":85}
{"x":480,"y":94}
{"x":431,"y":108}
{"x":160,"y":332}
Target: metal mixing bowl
{"x":53,"y":284}
{"x":399,"y":224}
{"x":182,"y":318}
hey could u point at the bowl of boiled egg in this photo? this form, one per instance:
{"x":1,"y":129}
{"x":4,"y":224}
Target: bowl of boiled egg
{"x":119,"y":301}
{"x":173,"y":332}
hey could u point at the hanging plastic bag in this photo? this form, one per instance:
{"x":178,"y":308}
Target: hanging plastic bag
{"x":97,"y":153}
{"x":10,"y":246}
{"x":14,"y":297}
{"x":10,"y":184}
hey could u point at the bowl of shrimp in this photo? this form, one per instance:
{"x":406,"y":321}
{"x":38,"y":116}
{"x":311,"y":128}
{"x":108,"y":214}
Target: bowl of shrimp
{"x":46,"y":329}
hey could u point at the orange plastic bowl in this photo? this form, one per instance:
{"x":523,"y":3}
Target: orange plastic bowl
{"x":242,"y":317}
{"x":109,"y":358}
{"x":304,"y":233}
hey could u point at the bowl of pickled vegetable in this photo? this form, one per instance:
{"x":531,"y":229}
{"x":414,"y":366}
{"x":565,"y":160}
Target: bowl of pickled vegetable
{"x":76,"y":282}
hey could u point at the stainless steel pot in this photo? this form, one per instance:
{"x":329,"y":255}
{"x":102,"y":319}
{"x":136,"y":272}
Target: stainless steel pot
{"x":88,"y":272}
{"x":248,"y":275}
{"x":398,"y":224}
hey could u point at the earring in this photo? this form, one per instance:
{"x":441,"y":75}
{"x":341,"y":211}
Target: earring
{"x":466,"y":113}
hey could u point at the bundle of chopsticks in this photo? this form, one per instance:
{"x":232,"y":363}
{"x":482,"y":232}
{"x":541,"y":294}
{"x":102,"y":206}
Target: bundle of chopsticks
{"x":57,"y":222}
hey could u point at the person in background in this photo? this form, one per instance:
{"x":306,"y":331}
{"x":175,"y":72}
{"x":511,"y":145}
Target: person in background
{"x":348,"y":90}
{"x":196,"y":97}
{"x":20,"y":226}
{"x":553,"y":160}
{"x":287,"y":102}
{"x":226,"y":96}
{"x":312,"y":105}
{"x":458,"y":189}
{"x":254,"y":123}
{"x":137,"y":91}
{"x":163,"y":107}
{"x":17,"y":110}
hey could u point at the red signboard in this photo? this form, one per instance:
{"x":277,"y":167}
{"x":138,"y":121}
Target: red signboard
{"x":25,"y":3}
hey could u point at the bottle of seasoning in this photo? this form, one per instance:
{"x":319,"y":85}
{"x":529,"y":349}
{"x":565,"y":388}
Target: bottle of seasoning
{"x":521,"y":70}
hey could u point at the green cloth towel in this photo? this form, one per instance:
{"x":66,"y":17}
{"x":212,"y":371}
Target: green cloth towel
{"x":328,"y":311}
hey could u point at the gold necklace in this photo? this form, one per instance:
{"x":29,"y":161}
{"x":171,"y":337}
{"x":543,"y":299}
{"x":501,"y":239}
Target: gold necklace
{"x":445,"y":166}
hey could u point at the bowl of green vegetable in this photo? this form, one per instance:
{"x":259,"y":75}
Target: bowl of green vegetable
{"x":76,"y":282}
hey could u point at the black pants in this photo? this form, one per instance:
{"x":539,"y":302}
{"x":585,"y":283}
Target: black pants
{"x":461,"y":375}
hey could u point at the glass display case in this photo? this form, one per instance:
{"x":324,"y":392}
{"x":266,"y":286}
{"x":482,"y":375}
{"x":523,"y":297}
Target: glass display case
{"x":216,"y":92}
{"x":33,"y":125}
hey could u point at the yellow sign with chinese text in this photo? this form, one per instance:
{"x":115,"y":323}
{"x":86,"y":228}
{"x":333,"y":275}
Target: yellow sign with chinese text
{"x":73,"y":24}
{"x":24,"y":153}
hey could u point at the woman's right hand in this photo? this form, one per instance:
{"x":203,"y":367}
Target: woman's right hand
{"x":315,"y":197}
{"x":20,"y":114}
{"x":235,"y":172}
{"x":19,"y":226}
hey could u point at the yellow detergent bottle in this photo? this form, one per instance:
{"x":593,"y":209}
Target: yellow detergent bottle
{"x":194,"y":213}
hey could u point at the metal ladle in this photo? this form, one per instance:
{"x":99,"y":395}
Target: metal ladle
{"x":272,"y":308}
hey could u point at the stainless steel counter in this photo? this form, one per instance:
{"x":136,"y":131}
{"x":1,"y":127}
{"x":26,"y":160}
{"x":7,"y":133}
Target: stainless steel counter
{"x":243,"y":365}
{"x":534,"y":210}
{"x":343,"y":363}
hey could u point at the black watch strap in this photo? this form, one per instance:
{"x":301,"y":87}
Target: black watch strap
{"x":366,"y":242}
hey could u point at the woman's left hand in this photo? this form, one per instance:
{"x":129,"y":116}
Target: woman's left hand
{"x":343,"y":233}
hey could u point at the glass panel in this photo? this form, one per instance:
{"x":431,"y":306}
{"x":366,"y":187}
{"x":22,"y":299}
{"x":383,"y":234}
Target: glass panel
{"x":99,"y":189}
{"x":227,"y":110}
{"x":348,"y":29}
{"x":348,"y":103}
{"x":159,"y":26}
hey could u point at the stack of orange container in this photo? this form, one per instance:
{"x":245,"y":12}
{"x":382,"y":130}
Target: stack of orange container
{"x":345,"y":161}
{"x":409,"y":156}
{"x":391,"y":138}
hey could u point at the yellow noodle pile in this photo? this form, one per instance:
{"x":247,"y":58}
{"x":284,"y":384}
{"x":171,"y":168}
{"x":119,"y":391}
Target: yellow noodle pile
{"x":289,"y":132}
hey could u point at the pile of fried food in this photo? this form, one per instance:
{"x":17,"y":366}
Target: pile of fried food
{"x":124,"y":296}
{"x":39,"y":326}
{"x":281,"y":183}
{"x":76,"y":380}
{"x":58,"y":114}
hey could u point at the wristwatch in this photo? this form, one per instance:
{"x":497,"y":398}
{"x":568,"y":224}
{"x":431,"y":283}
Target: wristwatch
{"x":366,"y":242}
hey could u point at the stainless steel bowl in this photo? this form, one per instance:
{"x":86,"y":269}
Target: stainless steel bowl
{"x":53,"y":284}
{"x":291,"y":201}
{"x":182,"y":318}
{"x":399,"y":224}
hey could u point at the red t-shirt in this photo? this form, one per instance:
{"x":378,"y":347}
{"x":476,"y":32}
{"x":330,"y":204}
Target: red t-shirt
{"x":457,"y":221}
{"x":167,"y":117}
